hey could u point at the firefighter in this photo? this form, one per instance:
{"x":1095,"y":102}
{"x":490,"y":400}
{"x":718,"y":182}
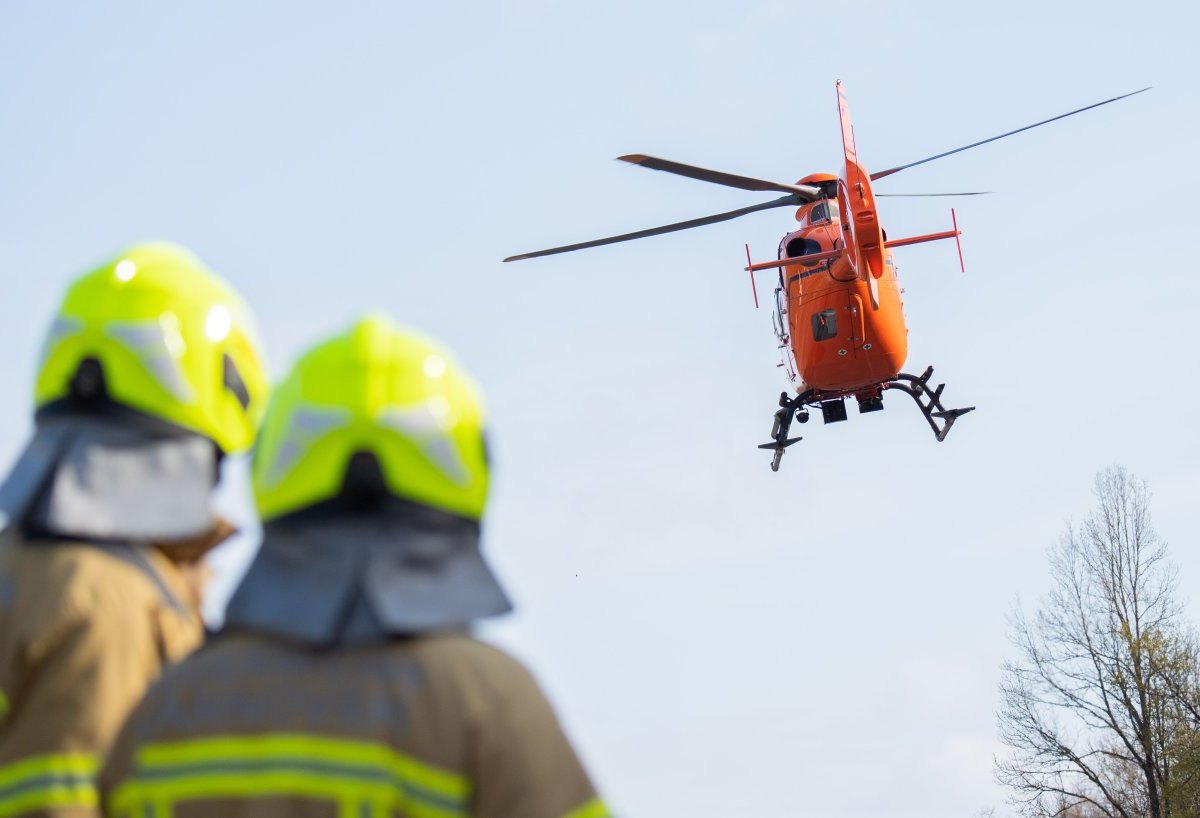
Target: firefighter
{"x":150,"y":373}
{"x":345,"y":680}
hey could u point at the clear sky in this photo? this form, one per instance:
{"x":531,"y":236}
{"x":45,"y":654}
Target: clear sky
{"x":718,"y":639}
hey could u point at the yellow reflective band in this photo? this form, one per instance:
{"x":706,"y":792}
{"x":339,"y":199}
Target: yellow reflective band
{"x":48,"y":781}
{"x":592,"y":809}
{"x":355,"y":775}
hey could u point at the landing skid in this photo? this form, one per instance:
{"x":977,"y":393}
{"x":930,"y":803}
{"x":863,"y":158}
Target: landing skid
{"x":929,"y":401}
{"x":788,"y":409}
{"x":931,"y":407}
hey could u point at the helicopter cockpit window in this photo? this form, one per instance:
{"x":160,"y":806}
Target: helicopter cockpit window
{"x":819,"y":213}
{"x":824,"y":325}
{"x":801,"y":246}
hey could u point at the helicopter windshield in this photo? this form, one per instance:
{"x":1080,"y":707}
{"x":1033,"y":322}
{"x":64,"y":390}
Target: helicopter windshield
{"x":823,"y":211}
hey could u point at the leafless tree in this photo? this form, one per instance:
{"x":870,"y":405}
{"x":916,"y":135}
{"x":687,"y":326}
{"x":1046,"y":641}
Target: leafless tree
{"x":1099,"y":710}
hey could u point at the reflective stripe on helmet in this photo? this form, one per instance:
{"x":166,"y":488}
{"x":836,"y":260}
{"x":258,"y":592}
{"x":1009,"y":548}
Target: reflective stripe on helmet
{"x":361,"y":778}
{"x":61,"y":327}
{"x":308,"y":424}
{"x":47,"y":782}
{"x":428,"y":426}
{"x":159,"y":345}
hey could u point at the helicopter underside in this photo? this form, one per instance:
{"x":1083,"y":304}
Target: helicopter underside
{"x":832,"y":404}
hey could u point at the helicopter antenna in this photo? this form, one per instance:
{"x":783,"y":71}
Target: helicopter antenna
{"x":899,"y":168}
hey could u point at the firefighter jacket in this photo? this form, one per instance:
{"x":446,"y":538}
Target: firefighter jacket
{"x":84,"y":629}
{"x":435,"y":726}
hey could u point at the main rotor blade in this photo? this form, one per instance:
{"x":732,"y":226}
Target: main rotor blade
{"x":719,"y":177}
{"x":917,"y":195}
{"x":791,"y":199}
{"x":890,"y":171}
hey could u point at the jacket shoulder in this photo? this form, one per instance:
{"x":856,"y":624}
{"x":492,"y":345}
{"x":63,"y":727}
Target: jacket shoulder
{"x":468,"y":654}
{"x":76,"y":579}
{"x":60,"y":589}
{"x":483,"y":674}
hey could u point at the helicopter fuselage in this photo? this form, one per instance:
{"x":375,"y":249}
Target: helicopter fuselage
{"x":840,"y":332}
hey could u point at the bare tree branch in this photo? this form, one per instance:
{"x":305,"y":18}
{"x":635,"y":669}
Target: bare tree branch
{"x":1100,"y":710}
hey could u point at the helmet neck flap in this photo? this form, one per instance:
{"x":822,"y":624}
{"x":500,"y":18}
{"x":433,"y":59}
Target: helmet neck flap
{"x":346,"y":573}
{"x":91,"y":477}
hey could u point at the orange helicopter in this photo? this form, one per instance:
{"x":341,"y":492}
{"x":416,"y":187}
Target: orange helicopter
{"x":838,"y":313}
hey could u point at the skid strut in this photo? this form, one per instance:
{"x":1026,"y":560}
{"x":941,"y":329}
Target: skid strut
{"x":931,"y":405}
{"x":788,"y":408}
{"x":928,"y":400}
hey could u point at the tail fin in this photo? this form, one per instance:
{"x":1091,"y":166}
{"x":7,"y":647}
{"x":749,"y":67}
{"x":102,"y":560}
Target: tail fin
{"x":863,"y":234}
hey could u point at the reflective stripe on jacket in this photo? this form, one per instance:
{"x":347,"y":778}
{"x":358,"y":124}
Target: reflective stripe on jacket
{"x":429,"y":727}
{"x":41,"y":783}
{"x":83,"y":632}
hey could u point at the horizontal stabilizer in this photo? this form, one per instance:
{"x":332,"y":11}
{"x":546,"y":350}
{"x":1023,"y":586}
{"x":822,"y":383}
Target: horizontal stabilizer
{"x":948,"y":234}
{"x":810,"y":259}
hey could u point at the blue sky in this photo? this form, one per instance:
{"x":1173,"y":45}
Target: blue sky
{"x":718,"y":639}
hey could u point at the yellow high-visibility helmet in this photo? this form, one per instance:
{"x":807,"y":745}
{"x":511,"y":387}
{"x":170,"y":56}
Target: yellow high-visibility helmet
{"x":382,"y":391}
{"x":156,"y":332}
